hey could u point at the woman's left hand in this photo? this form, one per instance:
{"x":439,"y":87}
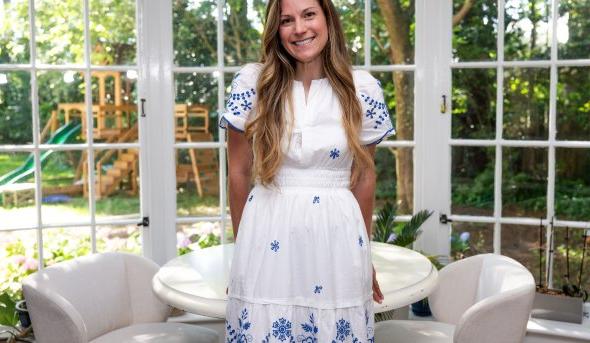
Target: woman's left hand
{"x":377,"y":295}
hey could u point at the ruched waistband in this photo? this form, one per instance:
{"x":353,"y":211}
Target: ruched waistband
{"x":328,"y":178}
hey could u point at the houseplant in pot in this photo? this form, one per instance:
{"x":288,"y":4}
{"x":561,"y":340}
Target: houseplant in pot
{"x":386,"y":230}
{"x":10,"y":317}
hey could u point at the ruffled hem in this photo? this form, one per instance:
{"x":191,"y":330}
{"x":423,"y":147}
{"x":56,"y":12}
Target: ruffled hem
{"x":252,"y":322}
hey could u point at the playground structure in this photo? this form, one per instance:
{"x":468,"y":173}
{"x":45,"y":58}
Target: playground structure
{"x":116,"y":169}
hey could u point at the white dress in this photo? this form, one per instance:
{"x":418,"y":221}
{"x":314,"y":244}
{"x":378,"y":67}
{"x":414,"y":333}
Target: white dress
{"x":301,"y":270}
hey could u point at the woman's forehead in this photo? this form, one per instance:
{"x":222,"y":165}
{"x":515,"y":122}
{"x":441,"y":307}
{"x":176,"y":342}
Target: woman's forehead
{"x":290,"y":7}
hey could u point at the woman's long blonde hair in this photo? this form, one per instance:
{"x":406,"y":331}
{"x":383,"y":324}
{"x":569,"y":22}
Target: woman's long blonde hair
{"x":273,"y":93}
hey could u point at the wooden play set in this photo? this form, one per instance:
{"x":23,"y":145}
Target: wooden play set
{"x":115,"y":121}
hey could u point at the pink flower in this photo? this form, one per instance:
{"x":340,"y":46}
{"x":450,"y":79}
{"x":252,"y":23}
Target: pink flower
{"x":30,"y":264}
{"x":19,"y":259}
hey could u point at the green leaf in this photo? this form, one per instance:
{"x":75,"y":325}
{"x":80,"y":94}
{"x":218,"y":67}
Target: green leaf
{"x":8,"y":314}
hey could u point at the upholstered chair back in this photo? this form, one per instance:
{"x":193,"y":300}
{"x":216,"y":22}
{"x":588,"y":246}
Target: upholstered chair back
{"x":93,"y":295}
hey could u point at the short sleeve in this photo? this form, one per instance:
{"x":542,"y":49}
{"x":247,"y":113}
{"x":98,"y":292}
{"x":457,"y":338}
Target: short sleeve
{"x":241,"y":99}
{"x":376,"y":120}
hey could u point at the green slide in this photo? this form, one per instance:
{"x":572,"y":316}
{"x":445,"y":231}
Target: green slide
{"x":61,"y":136}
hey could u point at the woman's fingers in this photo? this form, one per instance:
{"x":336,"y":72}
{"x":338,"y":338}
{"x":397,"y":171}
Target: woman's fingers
{"x":377,"y":294}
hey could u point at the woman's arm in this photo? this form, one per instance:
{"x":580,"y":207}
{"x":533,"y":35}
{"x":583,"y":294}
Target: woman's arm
{"x":364,"y":192}
{"x":239,"y":156}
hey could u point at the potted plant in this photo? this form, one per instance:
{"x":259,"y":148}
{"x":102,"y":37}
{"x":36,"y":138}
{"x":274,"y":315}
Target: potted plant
{"x":386,"y":230}
{"x":10,"y":316}
{"x":565,"y":304}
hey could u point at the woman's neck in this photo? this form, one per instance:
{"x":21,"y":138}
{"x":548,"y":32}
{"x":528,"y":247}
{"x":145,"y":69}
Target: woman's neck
{"x":305,"y":72}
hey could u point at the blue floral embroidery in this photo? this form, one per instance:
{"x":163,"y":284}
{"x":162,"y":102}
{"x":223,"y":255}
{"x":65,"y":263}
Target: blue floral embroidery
{"x":342,"y":330}
{"x":274,"y":245}
{"x":376,"y":110}
{"x":240,"y":335}
{"x":250,"y":198}
{"x":361,"y":241}
{"x":281,"y":329}
{"x":311,"y":331}
{"x":334,"y":153}
{"x":318,"y":289}
{"x":370,"y":334}
{"x":316,"y":199}
{"x":239,"y":102}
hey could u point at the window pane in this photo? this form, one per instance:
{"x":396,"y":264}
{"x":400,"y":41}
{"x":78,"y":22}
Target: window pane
{"x":572,"y":29}
{"x":572,"y":184}
{"x":472,"y":180}
{"x":197,"y":195}
{"x":65,"y":244}
{"x":475,"y":30}
{"x":112,"y":32}
{"x":469,"y":239}
{"x":571,"y":239}
{"x":15,"y":108}
{"x":527,"y":30}
{"x":61,"y":107}
{"x":60,"y":32}
{"x":526,"y":103}
{"x":114,"y":106}
{"x":62,"y":181}
{"x":195,"y":32}
{"x":118,"y":238}
{"x":352,"y":18}
{"x":117,"y":183}
{"x":474,"y":104}
{"x":521,"y":243}
{"x":17,"y":190}
{"x":524,"y":182}
{"x":398,"y":49}
{"x":191,"y":237}
{"x":394,"y":179}
{"x":242,"y":25}
{"x":18,"y":258}
{"x":14,"y":32}
{"x":573,"y":103}
{"x":398,"y":90}
{"x":195,"y":111}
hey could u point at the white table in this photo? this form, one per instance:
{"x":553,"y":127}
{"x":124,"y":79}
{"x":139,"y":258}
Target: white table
{"x":196,"y":282}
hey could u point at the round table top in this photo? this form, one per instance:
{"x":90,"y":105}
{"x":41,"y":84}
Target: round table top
{"x":196,"y":282}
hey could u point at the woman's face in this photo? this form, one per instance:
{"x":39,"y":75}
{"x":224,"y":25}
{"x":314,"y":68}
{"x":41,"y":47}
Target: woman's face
{"x":303,"y":29}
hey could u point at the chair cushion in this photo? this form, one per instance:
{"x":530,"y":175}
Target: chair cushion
{"x":159,"y":332}
{"x":414,"y":331}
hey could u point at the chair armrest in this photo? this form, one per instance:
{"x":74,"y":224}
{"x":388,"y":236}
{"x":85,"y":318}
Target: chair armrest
{"x":499,"y":318}
{"x":54,"y":319}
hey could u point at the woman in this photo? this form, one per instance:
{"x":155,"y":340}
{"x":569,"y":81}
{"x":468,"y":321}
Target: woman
{"x":304,"y":126}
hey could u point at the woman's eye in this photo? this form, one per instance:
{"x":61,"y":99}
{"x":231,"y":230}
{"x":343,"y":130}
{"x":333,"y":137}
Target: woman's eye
{"x":309,"y":14}
{"x":285,"y":21}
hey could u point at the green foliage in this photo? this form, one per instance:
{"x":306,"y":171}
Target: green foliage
{"x":8,"y":314}
{"x":403,"y":234}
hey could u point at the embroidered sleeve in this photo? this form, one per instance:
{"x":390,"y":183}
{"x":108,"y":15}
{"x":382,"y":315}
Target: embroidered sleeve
{"x":376,"y":119}
{"x":241,"y":99}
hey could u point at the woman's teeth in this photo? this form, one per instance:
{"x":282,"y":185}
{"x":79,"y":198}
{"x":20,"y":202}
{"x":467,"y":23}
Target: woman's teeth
{"x":304,"y":42}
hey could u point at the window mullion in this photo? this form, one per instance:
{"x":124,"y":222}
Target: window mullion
{"x":220,"y":109}
{"x":497,"y":243}
{"x":35,"y":117}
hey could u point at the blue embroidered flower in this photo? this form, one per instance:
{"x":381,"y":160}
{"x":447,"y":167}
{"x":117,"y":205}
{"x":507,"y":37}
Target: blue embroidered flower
{"x":361,"y":241}
{"x":281,"y":329}
{"x":342,"y":330}
{"x":250,"y":197}
{"x":375,"y":110}
{"x":311,"y":331}
{"x":274,"y":245}
{"x":239,"y":102}
{"x":240,"y":335}
{"x":370,"y":334}
{"x":316,"y":199}
{"x":334,"y":153}
{"x":318,"y":289}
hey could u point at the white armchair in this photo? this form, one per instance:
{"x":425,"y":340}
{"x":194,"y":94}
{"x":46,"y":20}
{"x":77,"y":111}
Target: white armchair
{"x":103,"y":298}
{"x":485,"y":298}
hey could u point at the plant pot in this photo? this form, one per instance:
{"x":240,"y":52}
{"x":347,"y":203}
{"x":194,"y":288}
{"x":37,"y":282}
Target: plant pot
{"x":558,"y":307}
{"x":421,"y":308}
{"x":23,"y":314}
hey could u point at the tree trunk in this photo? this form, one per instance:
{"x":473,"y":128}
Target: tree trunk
{"x":397,"y":25}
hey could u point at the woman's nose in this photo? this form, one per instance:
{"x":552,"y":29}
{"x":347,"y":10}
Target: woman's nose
{"x":300,"y":26}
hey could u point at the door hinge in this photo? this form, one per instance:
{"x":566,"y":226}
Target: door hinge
{"x":145,"y":222}
{"x":444,"y":219}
